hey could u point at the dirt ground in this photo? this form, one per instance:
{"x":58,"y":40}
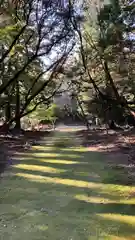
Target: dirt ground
{"x":11,"y":144}
{"x":119,"y":147}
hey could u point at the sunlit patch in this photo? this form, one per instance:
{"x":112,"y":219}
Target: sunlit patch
{"x":119,"y":218}
{"x":43,"y":154}
{"x":62,"y":161}
{"x":48,"y":154}
{"x":67,"y":130}
{"x":42,"y":227}
{"x":94,"y":199}
{"x":75,"y":183}
{"x":68,"y":182}
{"x":39,"y":168}
{"x":38,"y":154}
{"x":98,"y":199}
{"x":77,"y":149}
{"x":43,"y":148}
{"x":113,"y":237}
{"x":31,"y":154}
{"x":66,"y":162}
{"x":128,"y":201}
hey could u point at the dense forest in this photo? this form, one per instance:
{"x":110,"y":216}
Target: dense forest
{"x":88,"y":47}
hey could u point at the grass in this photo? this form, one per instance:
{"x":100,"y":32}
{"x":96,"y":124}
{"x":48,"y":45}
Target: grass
{"x":65,"y":193}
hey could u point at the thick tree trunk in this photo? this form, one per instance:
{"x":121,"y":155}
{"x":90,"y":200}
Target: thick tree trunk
{"x":4,"y":128}
{"x":17,"y":110}
{"x":112,"y":125}
{"x":111,"y":82}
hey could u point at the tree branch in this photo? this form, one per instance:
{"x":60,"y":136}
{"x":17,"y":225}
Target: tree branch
{"x":13,"y":43}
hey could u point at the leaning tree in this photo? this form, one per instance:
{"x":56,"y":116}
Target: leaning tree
{"x":36,"y":39}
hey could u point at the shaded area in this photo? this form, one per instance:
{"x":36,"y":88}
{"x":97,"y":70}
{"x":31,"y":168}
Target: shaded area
{"x":65,"y":193}
{"x":121,"y":143}
{"x":9,"y":144}
{"x":101,"y":135}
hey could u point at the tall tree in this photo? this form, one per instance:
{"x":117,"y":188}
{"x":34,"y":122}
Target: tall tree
{"x":40,"y":31}
{"x":105,"y":50}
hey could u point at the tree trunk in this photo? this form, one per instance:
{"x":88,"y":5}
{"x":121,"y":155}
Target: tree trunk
{"x":4,"y":128}
{"x":83,"y":113}
{"x":111,"y":82}
{"x":112,"y":125}
{"x":8,"y":111}
{"x":17,"y":110}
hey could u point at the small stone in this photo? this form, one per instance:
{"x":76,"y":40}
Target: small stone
{"x":44,"y":210}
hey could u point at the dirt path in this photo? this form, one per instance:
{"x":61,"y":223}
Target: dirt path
{"x":61,"y":190}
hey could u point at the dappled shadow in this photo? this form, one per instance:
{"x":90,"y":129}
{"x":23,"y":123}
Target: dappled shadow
{"x":119,"y":145}
{"x":101,"y":136}
{"x":17,"y":142}
{"x":9,"y":144}
{"x":66,"y":193}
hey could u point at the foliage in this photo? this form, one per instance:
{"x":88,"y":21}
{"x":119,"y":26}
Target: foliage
{"x":107,"y":111}
{"x":31,"y":54}
{"x":48,"y":114}
{"x":106,"y":62}
{"x":42,"y":115}
{"x":44,"y":46}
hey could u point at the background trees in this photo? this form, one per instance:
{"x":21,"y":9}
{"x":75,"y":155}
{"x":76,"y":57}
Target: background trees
{"x":107,"y":57}
{"x":44,"y":44}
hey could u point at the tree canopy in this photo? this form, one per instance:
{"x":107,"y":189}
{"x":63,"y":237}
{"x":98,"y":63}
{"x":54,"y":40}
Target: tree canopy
{"x":36,"y":38}
{"x":45,"y":44}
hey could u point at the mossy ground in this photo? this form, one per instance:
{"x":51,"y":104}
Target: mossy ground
{"x":65,"y":193}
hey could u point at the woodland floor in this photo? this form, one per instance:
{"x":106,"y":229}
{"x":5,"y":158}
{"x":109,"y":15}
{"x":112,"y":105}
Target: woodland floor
{"x":69,"y":185}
